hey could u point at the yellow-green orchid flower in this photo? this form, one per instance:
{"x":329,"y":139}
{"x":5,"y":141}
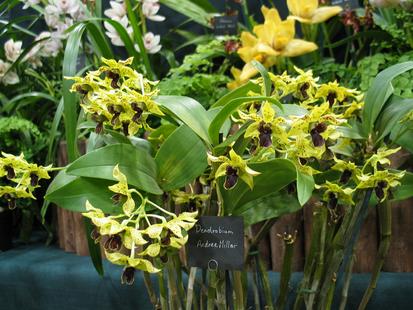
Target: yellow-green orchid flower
{"x":130,"y":261}
{"x":382,"y":181}
{"x":233,"y":168}
{"x":132,"y":237}
{"x":381,"y":157}
{"x":348,"y":169}
{"x":106,"y":225}
{"x":122,"y":191}
{"x":334,"y":93}
{"x":194,"y":201}
{"x":334,"y":193}
{"x":267,"y":128}
{"x":308,"y":12}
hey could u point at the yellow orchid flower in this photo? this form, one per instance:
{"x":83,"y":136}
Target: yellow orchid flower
{"x":237,"y":82}
{"x":233,"y":168}
{"x":334,"y":193}
{"x":334,"y":93}
{"x":274,"y":38}
{"x":122,"y":191}
{"x":308,"y":12}
{"x":130,"y":261}
{"x":382,"y":181}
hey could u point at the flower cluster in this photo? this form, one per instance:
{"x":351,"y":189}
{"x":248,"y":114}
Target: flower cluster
{"x":19,"y":178}
{"x":276,"y":37}
{"x":59,"y":15}
{"x":139,"y":236}
{"x":117,"y":96}
{"x":118,"y":13}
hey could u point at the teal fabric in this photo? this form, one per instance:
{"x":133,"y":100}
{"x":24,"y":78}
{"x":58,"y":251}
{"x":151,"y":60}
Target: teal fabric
{"x":46,"y":278}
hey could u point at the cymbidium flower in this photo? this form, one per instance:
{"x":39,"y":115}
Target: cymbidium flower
{"x":237,"y":82}
{"x":274,"y":38}
{"x":151,"y":42}
{"x":29,"y":3}
{"x":12,"y":49}
{"x":150,"y":10}
{"x":308,"y":12}
{"x":7,"y":77}
{"x":267,"y":128}
{"x":112,"y":33}
{"x":117,"y":10}
{"x":233,"y":168}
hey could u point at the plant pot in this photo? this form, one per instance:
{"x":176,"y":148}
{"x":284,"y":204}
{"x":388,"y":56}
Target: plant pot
{"x":6,"y":230}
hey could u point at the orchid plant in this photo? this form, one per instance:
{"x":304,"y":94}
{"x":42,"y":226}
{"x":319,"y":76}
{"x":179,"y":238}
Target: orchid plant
{"x":277,"y":131}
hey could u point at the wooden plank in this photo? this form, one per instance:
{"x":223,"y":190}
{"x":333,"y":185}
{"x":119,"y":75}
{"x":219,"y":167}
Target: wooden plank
{"x":264,"y":247}
{"x":400,"y":255}
{"x":80,"y":235}
{"x":288,"y":223}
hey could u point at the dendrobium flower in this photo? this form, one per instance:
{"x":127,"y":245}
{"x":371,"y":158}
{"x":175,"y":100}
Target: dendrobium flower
{"x":122,"y":100}
{"x":381,"y":181}
{"x":25,"y":175}
{"x":193,"y":201}
{"x":138,"y":237}
{"x":334,"y":93}
{"x":150,"y":10}
{"x":266,"y":128}
{"x":12,"y":49}
{"x":233,"y":168}
{"x":122,"y":192}
{"x":308,"y":12}
{"x":334,"y":193}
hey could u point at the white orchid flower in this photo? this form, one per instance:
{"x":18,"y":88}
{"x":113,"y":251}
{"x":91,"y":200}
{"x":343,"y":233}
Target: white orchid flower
{"x":113,"y":34}
{"x":66,"y":6}
{"x":50,"y":47}
{"x":7,"y":78}
{"x":12,"y":49}
{"x":117,"y":10}
{"x":150,"y":9}
{"x":51,"y":15}
{"x":151,"y":43}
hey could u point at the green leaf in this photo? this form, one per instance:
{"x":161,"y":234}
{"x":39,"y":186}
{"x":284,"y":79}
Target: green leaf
{"x":190,"y":9}
{"x":30,"y":97}
{"x":70,"y":100}
{"x":265,"y":77}
{"x":134,"y":161}
{"x":188,"y":111}
{"x":181,"y":159}
{"x":379,"y":92}
{"x":305,"y":187}
{"x":272,"y":206}
{"x":228,"y":109}
{"x":241,"y":91}
{"x":70,"y":193}
{"x":405,"y":190}
{"x":206,"y":5}
{"x":53,"y":131}
{"x":139,"y":38}
{"x":94,"y":248}
{"x":275,"y":174}
{"x":394,"y":111}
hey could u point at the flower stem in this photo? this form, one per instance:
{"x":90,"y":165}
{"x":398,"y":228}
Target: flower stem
{"x":238,"y":290}
{"x":266,"y":284}
{"x":384,"y":212}
{"x":346,"y":285}
{"x":149,"y":287}
{"x":212,"y":275}
{"x":327,"y":39}
{"x":190,"y":290}
{"x":162,"y":291}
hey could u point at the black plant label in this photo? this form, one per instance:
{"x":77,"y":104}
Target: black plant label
{"x":225,"y":25}
{"x":217,"y":242}
{"x":346,"y":4}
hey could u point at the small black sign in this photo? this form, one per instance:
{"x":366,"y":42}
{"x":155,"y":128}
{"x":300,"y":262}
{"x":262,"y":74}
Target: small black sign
{"x":225,"y":25}
{"x":217,"y":242}
{"x":346,"y":4}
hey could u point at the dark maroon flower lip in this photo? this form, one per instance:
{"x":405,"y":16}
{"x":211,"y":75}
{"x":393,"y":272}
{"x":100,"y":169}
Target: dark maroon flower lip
{"x":265,"y":134}
{"x":231,"y":177}
{"x":34,"y":179}
{"x":345,"y":176}
{"x":381,"y":185}
{"x":331,"y":97}
{"x":303,"y":90}
{"x":332,"y":201}
{"x":128,"y":276}
{"x":113,"y":243}
{"x":10,"y":172}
